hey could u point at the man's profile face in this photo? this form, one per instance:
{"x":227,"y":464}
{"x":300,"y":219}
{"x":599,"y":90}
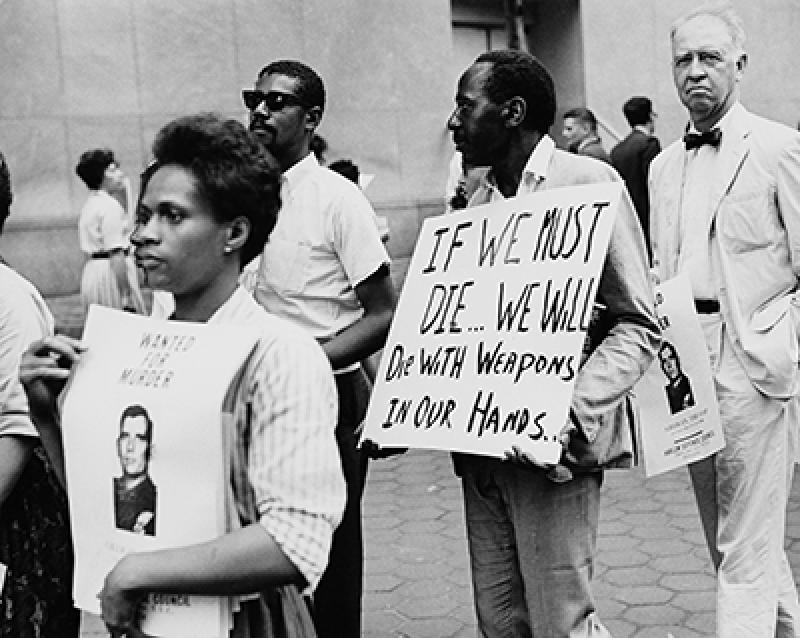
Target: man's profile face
{"x":132,"y":446}
{"x":706,"y":68}
{"x":477,"y":124}
{"x":574,"y":131}
{"x":282,"y":130}
{"x":669,"y":363}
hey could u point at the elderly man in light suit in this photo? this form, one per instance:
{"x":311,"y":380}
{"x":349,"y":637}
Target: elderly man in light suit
{"x":725,"y":209}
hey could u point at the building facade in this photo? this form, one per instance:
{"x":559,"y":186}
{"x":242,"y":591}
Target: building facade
{"x":82,"y":73}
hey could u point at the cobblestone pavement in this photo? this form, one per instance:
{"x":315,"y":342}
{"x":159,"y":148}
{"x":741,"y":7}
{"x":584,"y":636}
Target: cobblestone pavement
{"x":653,"y":578}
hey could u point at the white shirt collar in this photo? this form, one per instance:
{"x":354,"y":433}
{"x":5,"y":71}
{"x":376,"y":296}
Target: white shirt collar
{"x":297,"y":172}
{"x":539,"y":159}
{"x":724,"y":122}
{"x":535,"y":169}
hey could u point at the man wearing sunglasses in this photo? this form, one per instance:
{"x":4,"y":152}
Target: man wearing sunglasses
{"x":324,"y":268}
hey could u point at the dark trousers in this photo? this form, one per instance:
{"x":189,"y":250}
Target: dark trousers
{"x":337,"y":599}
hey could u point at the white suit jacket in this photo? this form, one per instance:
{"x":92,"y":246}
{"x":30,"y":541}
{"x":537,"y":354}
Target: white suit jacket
{"x":755,"y":222}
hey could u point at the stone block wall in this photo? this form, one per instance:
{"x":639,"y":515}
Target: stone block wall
{"x":82,"y":73}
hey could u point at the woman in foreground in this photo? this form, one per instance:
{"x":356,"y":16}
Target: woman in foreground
{"x":207,"y":205}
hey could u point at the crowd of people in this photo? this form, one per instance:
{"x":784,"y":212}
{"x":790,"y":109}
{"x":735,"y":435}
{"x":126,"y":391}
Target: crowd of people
{"x":242,"y":224}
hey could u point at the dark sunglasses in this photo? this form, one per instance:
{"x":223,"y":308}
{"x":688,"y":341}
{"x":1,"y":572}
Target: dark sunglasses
{"x":274,"y":100}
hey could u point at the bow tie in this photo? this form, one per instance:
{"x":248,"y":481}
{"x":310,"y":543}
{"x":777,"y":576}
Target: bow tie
{"x":696,"y":140}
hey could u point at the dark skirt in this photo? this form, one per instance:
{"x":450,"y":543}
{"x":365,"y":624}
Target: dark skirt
{"x":35,"y":545}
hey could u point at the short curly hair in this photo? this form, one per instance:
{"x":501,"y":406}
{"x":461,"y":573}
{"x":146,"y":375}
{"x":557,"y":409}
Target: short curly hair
{"x":310,"y":88}
{"x":234,"y":171}
{"x":516,"y":73}
{"x":92,"y":166}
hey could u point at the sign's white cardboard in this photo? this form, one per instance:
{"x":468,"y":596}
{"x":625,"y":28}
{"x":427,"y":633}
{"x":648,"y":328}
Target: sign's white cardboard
{"x":488,"y":332}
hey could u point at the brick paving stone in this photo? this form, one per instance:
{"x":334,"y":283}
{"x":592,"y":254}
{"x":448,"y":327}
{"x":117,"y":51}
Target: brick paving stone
{"x":688,"y":509}
{"x":654,"y":615}
{"x":385,"y":582}
{"x":614,"y":528}
{"x":639,"y":506}
{"x":624,"y":576}
{"x":619,"y":628}
{"x":705,"y":623}
{"x":624,"y":558}
{"x":612,"y":542}
{"x":391,"y":521}
{"x":644,"y":595}
{"x":696,"y":601}
{"x":681,"y":563}
{"x":609,"y":608}
{"x":422,"y":528}
{"x":637,"y":519}
{"x":427,"y":512}
{"x":697,"y":581}
{"x":653,"y":531}
{"x":430,"y":607}
{"x":426,"y":589}
{"x":381,"y":623}
{"x":665,"y":547}
{"x":430,"y":628}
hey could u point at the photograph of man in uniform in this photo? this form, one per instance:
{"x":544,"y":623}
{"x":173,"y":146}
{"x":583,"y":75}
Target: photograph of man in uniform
{"x":134,"y":492}
{"x":679,"y":390}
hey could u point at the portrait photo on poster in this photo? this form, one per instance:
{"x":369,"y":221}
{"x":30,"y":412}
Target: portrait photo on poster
{"x":678,"y":389}
{"x":134,"y":490}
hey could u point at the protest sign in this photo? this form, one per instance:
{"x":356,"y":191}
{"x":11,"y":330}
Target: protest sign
{"x":143,"y":445}
{"x":487,"y":335}
{"x":678,"y":403}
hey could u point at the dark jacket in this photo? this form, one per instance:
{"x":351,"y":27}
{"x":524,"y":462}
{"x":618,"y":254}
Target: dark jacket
{"x":632,"y":157}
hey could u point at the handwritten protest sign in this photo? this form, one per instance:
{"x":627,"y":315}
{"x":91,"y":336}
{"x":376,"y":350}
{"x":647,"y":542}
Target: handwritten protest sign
{"x":487,"y":336}
{"x":143,"y":448}
{"x":678,"y":404}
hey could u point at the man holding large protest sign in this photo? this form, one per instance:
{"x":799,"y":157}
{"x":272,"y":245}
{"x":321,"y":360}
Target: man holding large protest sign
{"x":531,"y":538}
{"x":726,"y":212}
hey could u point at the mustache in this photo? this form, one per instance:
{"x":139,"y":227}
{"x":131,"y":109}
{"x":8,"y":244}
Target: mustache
{"x":259,"y":123}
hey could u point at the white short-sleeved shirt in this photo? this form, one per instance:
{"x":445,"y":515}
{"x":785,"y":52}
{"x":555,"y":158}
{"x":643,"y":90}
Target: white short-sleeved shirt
{"x":24,"y":318}
{"x":103,"y":224}
{"x":324,"y":244}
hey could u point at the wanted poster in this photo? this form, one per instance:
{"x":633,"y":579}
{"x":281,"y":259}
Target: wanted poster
{"x":143,"y":445}
{"x":680,"y":420}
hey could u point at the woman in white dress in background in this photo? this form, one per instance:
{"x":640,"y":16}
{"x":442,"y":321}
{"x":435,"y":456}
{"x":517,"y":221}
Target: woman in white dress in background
{"x":109,"y":276}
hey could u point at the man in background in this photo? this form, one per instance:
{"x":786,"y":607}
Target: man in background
{"x":580,"y":131}
{"x":632,"y":156}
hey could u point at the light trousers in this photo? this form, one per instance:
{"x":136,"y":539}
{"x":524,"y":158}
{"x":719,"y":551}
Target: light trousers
{"x":742,"y":494}
{"x":531,"y":544}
